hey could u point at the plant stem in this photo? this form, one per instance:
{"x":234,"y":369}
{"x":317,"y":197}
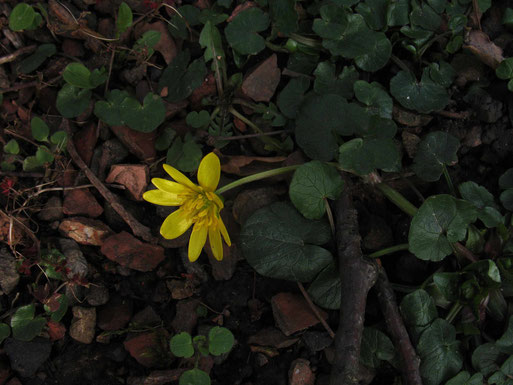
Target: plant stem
{"x":255,"y":177}
{"x":388,"y":250}
{"x":449,"y":181}
{"x":398,"y":199}
{"x":455,"y":309}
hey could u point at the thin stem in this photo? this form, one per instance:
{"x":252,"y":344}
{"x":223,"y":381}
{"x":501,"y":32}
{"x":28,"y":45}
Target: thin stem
{"x":275,"y":47}
{"x":455,"y":309}
{"x":449,"y":181}
{"x":397,"y":198}
{"x":389,"y":250}
{"x":238,"y":137}
{"x":255,"y":177}
{"x":315,"y":311}
{"x":329,"y":213}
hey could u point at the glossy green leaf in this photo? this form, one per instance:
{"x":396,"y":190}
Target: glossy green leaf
{"x":425,"y":96}
{"x":194,"y":377}
{"x":442,"y":73}
{"x":146,"y":117}
{"x":23,"y":324}
{"x":374,"y":12}
{"x":214,"y":16}
{"x":504,"y":375}
{"x":483,"y":200}
{"x":448,"y":284}
{"x":311,"y":185}
{"x":124,"y":20}
{"x":32,"y":62}
{"x":437,"y":150}
{"x":375,"y":97}
{"x":44,"y":155}
{"x":181,"y":345}
{"x":31,"y":163}
{"x":327,"y":81}
{"x":22,"y":17}
{"x":325,"y":289}
{"x":278,"y":242}
{"x":505,"y":343}
{"x":242,"y":32}
{"x":376,"y":347}
{"x":284,"y":16}
{"x":398,"y":13}
{"x":12,"y":147}
{"x":439,"y":351}
{"x":292,"y":95}
{"x":425,"y":17}
{"x":5,"y":331}
{"x":366,"y":155}
{"x":77,"y":75}
{"x":72,"y":101}
{"x":441,"y":220}
{"x":210,"y":39}
{"x":40,"y":130}
{"x":464,"y":378}
{"x":418,"y":308}
{"x":316,"y":123}
{"x":184,"y":155}
{"x":220,"y":340}
{"x":505,"y":69}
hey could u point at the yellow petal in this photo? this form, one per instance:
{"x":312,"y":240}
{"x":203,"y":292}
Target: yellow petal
{"x":224,"y":232}
{"x":197,"y":241}
{"x":175,"y":224}
{"x":215,"y":243}
{"x":180,"y":178}
{"x":209,"y":172}
{"x":162,"y":198}
{"x":169,"y":186}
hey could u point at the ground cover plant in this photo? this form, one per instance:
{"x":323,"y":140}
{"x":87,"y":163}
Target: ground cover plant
{"x":256,"y":192}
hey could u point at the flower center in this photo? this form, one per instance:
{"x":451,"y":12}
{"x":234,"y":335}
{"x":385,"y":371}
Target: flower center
{"x":203,"y":207}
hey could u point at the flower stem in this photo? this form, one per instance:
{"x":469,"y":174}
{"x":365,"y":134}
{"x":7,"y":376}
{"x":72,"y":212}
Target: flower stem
{"x":388,"y":250}
{"x":255,"y":177}
{"x":397,"y":198}
{"x":449,"y":181}
{"x":455,"y":309}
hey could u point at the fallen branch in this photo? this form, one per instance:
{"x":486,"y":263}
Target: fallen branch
{"x":410,"y":362}
{"x":138,"y":229}
{"x":358,"y":275}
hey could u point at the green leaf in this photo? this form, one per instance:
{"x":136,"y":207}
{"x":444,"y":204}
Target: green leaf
{"x":425,"y":96}
{"x":12,"y":147}
{"x":31,"y":163}
{"x":311,"y":185}
{"x":425,"y":17}
{"x":44,"y":155}
{"x":146,"y":42}
{"x":5,"y":330}
{"x":463,"y":378}
{"x":325,"y":290}
{"x":59,"y":138}
{"x":77,"y":75}
{"x":436,"y":150}
{"x":374,"y":12}
{"x":181,"y":345}
{"x":368,"y":154}
{"x":505,"y":69}
{"x":440,"y":357}
{"x":486,"y":270}
{"x":24,"y":326}
{"x":376,"y":347}
{"x":505,"y":343}
{"x":213,"y":16}
{"x":32,"y":62}
{"x":58,"y":314}
{"x":397,"y":13}
{"x":110,"y":110}
{"x":374,"y":96}
{"x":210,"y":39}
{"x":194,"y":377}
{"x":6,"y":166}
{"x":184,"y":155}
{"x":72,"y":101}
{"x":284,"y":16}
{"x":181,"y":79}
{"x":146,"y":117}
{"x":198,"y":119}
{"x":292,"y":95}
{"x":220,"y":340}
{"x":278,"y":242}
{"x":124,"y":20}
{"x":200,"y":342}
{"x":441,"y":220}
{"x":442,"y":73}
{"x":448,"y":284}
{"x":39,"y":129}
{"x":418,"y":309}
{"x":318,"y":119}
{"x":333,"y":22}
{"x":483,"y":200}
{"x":327,"y":82}
{"x":22,"y":17}
{"x":503,"y":377}
{"x":242,"y":32}
{"x":507,"y":17}
{"x":165,"y":139}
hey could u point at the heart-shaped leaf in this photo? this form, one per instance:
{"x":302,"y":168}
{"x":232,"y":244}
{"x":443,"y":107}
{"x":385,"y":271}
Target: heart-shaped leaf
{"x":242,"y":32}
{"x":220,"y":340}
{"x":194,"y":377}
{"x":292,"y":95}
{"x":327,"y":82}
{"x":22,"y":17}
{"x":375,"y":97}
{"x":418,"y":308}
{"x":425,"y":17}
{"x":440,"y":221}
{"x":181,"y":345}
{"x":368,"y":154}
{"x":485,"y":358}
{"x":439,"y":352}
{"x":78,"y":75}
{"x":24,"y":326}
{"x":437,"y":150}
{"x":72,"y":101}
{"x":44,"y":155}
{"x":12,"y":147}
{"x":278,"y":242}
{"x":376,"y":347}
{"x":110,"y":110}
{"x":284,"y":16}
{"x":483,"y":200}
{"x":146,"y":117}
{"x":325,"y":290}
{"x":311,"y":185}
{"x":197,"y":119}
{"x":425,"y":96}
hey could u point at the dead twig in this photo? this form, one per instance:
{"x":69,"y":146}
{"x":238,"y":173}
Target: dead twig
{"x":410,"y":361}
{"x":35,"y":83}
{"x":315,"y":311}
{"x":138,"y":229}
{"x":357,"y":276}
{"x":14,"y":55}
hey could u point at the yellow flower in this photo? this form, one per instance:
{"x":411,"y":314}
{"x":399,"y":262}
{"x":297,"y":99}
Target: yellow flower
{"x":199,"y":206}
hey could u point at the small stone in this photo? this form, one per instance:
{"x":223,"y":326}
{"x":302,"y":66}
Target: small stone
{"x":148,"y":348}
{"x":52,"y":210}
{"x":261,"y":83}
{"x":27,"y":356}
{"x":140,"y":144}
{"x":292,"y":313}
{"x":146,"y":318}
{"x":133,"y":176}
{"x":9,"y":276}
{"x":85,"y":142}
{"x":163,"y":377}
{"x":128,"y":251}
{"x":83,"y":324}
{"x":180,"y":289}
{"x":186,"y":317}
{"x":81,"y":202}
{"x":300,"y":373}
{"x":115,"y":314}
{"x":97,"y":295}
{"x":75,"y":259}
{"x":112,"y":152}
{"x":85,"y":231}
